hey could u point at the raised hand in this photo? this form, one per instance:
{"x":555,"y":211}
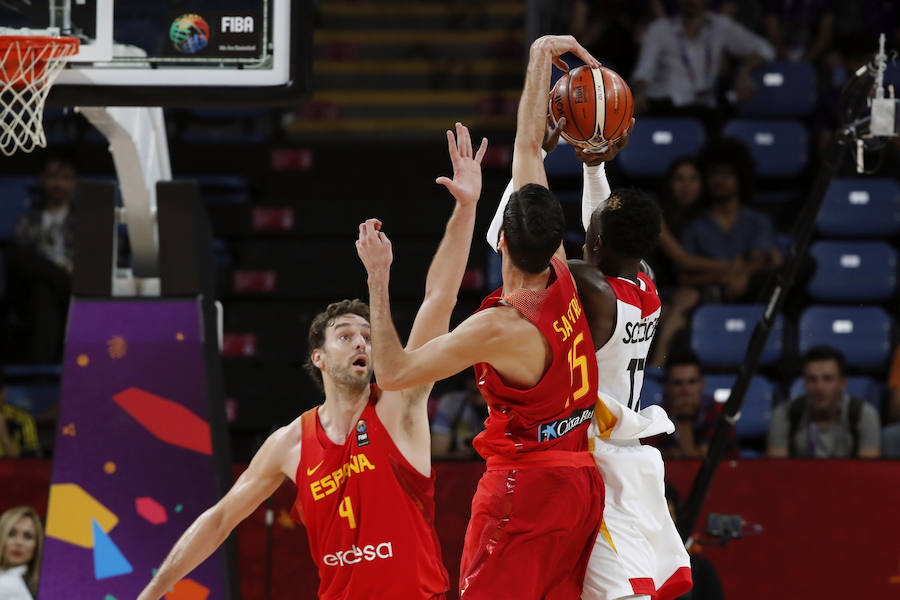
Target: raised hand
{"x":374,"y":249}
{"x":592,"y":159}
{"x":466,"y":183}
{"x":551,"y":135}
{"x":558,"y":45}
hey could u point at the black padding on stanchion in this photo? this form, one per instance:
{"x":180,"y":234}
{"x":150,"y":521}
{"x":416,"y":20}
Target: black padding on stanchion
{"x":95,"y":235}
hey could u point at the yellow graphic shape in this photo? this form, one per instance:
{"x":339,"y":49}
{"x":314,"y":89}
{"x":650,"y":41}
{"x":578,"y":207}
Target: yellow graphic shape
{"x":69,"y":430}
{"x":83,"y":360}
{"x":109,"y":467}
{"x":70,"y":512}
{"x":117,"y":347}
{"x":179,"y":336}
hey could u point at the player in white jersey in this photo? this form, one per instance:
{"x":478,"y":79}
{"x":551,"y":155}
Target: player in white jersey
{"x":638,"y":554}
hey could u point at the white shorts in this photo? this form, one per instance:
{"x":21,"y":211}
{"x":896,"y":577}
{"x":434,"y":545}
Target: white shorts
{"x":638,"y":550}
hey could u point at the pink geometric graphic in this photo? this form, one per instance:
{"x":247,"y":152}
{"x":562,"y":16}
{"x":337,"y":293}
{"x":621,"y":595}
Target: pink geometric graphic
{"x":151,"y":510}
{"x":167,"y":420}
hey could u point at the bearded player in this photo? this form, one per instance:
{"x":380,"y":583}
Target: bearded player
{"x":537,"y":508}
{"x":362,"y":459}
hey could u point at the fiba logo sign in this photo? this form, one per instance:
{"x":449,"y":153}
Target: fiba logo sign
{"x":189,"y":33}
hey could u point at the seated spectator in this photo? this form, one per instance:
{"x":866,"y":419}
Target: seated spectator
{"x":693,"y":412}
{"x":799,"y":30}
{"x":18,"y":432}
{"x":21,"y":546}
{"x":40,"y":261}
{"x":458,"y":419}
{"x":890,"y":435}
{"x":727,"y":231}
{"x":705,"y":579}
{"x":681,"y":58}
{"x":825,"y":422}
{"x":680,"y":202}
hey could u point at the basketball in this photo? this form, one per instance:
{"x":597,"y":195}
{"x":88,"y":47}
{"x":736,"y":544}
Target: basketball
{"x":596,"y":103}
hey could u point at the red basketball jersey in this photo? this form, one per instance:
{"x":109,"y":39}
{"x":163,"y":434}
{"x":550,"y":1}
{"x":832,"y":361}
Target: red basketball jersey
{"x":368,"y":513}
{"x":554,"y":414}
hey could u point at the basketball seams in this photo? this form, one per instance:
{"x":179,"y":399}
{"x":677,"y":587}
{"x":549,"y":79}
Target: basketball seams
{"x":600,"y":107}
{"x":616,"y":87}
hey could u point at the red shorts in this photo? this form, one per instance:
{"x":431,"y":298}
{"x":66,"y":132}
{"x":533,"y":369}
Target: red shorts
{"x":532,"y":530}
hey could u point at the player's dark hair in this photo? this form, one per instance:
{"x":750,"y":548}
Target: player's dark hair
{"x":820,"y":353}
{"x":731,"y":152}
{"x":683,"y":359}
{"x":533,"y":226}
{"x":631,"y":222}
{"x":323,"y":321}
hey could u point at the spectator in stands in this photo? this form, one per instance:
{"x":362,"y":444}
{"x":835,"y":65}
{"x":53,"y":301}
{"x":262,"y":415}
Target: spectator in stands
{"x":706,"y":584}
{"x":40,"y":260}
{"x":825,"y":422}
{"x":799,"y":30}
{"x":681,"y":200}
{"x":18,"y":432}
{"x":693,"y":412}
{"x":21,"y":547}
{"x":681,"y":58}
{"x":728,"y":231}
{"x":890,"y":435}
{"x":458,"y":419}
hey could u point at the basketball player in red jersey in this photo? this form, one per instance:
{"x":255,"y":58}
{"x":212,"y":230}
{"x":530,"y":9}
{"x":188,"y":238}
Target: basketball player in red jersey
{"x":537,"y":508}
{"x":361,"y":460}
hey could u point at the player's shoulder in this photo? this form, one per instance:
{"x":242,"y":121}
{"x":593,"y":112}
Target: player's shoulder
{"x":589,"y":279}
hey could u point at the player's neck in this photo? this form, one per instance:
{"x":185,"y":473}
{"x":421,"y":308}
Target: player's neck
{"x":515,"y":279}
{"x":617,"y":266}
{"x":341,"y":410}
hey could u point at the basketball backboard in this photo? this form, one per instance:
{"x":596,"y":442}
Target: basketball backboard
{"x":175,"y":52}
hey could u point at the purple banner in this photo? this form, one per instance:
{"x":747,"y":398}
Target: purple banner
{"x":133,"y":463}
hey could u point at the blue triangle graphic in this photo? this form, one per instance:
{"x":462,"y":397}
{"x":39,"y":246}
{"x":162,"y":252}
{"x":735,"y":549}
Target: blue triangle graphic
{"x":108,"y":559}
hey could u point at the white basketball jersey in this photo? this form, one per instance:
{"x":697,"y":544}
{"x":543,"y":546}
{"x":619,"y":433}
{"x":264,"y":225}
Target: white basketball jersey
{"x":621,"y":361}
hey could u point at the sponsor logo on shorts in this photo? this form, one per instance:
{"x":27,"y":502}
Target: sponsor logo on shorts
{"x":356,"y":554}
{"x":560,"y":427}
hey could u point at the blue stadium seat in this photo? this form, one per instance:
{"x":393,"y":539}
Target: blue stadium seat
{"x":783,"y":89}
{"x":779,"y":148}
{"x":562,"y":162}
{"x":15,"y":193}
{"x":655,"y":143}
{"x":651,"y":392}
{"x":861,"y":206}
{"x":862,"y":333}
{"x":867,"y":388}
{"x":756,"y":410}
{"x":853,"y":271}
{"x":720,"y":334}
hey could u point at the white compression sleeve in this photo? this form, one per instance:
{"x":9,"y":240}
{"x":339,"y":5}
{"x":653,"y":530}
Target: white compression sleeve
{"x":493,"y":232}
{"x":595,"y":193}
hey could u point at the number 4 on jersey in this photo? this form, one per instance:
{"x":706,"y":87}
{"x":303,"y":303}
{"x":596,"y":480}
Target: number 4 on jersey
{"x":346,"y":510}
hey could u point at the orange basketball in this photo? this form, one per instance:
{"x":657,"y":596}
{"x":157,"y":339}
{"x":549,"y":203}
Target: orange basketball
{"x":596,"y":103}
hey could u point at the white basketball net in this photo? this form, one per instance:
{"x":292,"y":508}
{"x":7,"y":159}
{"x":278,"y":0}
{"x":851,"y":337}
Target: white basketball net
{"x":28,"y":68}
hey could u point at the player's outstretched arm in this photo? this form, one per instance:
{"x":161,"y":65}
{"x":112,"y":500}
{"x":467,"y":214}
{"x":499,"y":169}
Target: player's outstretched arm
{"x":528,"y":166}
{"x":449,"y":263}
{"x":207,"y":533}
{"x":596,"y":190}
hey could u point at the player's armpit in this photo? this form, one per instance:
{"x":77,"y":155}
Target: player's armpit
{"x":475,"y":340}
{"x":597,"y":299}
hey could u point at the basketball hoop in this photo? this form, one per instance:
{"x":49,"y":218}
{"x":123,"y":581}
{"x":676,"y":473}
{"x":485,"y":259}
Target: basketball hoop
{"x":29,"y":65}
